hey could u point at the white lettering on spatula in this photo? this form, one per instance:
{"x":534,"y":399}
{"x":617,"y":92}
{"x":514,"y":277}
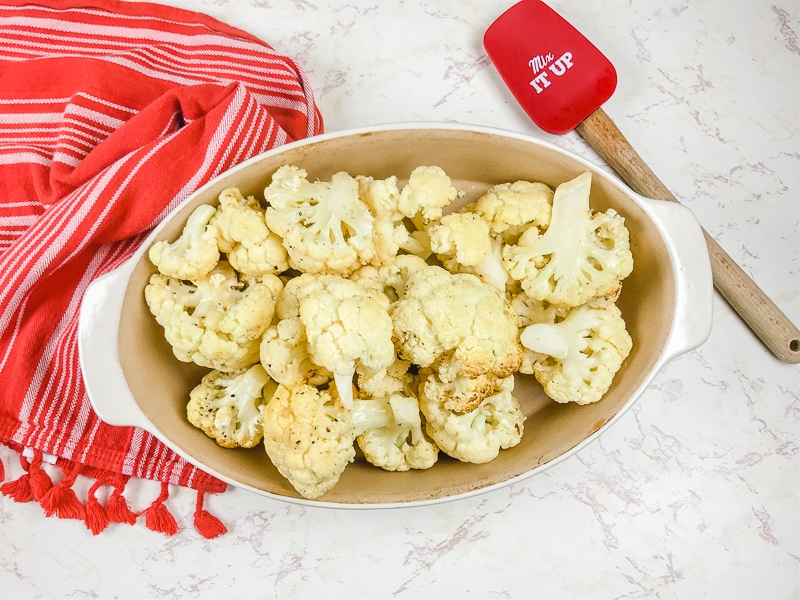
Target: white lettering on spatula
{"x":543,"y":66}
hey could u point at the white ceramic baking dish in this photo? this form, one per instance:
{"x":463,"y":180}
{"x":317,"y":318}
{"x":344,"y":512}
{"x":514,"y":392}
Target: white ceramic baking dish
{"x":133,"y":379}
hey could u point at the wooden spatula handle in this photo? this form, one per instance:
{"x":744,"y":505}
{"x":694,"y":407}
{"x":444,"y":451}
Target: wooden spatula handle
{"x":771,"y":325}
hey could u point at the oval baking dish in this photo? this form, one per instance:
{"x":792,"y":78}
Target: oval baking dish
{"x":133,"y":379}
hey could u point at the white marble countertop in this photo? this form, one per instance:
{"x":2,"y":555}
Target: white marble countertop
{"x":694,"y":493}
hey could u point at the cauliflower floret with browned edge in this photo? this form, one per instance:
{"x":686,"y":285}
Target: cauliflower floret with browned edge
{"x":455,"y":318}
{"x":242,"y":234}
{"x":582,"y":254}
{"x":346,"y":324}
{"x":325,"y":226}
{"x":217,"y":321}
{"x":579,"y":355}
{"x":428,"y":191}
{"x":195,"y":253}
{"x":478,"y":436}
{"x":227,"y":406}
{"x":464,"y":330}
{"x":458,"y":392}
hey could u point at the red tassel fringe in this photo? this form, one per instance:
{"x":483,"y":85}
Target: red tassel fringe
{"x":205,"y":523}
{"x":157,"y":517}
{"x":61,"y":501}
{"x":19,"y":490}
{"x":96,"y":519}
{"x":40,"y":481}
{"x":117,"y":509}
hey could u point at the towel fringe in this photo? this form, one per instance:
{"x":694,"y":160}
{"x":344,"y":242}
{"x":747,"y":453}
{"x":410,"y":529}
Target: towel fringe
{"x":96,"y":519}
{"x":61,"y":500}
{"x":39,"y":479}
{"x":117,"y":509}
{"x":205,"y":523}
{"x":157,"y":517}
{"x":19,"y":489}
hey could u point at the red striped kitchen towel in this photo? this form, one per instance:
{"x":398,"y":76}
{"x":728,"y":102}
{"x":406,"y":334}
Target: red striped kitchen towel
{"x":111,"y":113}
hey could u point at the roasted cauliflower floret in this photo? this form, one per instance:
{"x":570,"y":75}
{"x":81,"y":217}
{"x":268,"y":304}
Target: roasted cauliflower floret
{"x":346,"y":324}
{"x":242,"y":234}
{"x":461,"y":328}
{"x":326,"y":228}
{"x":284,"y":355}
{"x":460,"y":239}
{"x":428,"y":191}
{"x":582,"y":254}
{"x":457,"y":322}
{"x":309,"y":437}
{"x":530,"y":311}
{"x":491,"y":269}
{"x":458,"y":392}
{"x":194,"y":253}
{"x":511,"y":208}
{"x":217,"y":321}
{"x":390,"y":233}
{"x":391,"y":279}
{"x":579,"y":355}
{"x":402,"y":443}
{"x":227,"y":406}
{"x":465,"y":243}
{"x":478,"y":436}
{"x":381,"y":196}
{"x":397,"y":378}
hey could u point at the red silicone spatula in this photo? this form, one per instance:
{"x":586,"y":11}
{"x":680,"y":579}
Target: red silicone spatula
{"x":561,"y":79}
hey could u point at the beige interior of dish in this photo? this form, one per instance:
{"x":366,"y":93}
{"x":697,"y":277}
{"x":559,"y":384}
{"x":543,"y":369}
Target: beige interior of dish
{"x":160,"y":383}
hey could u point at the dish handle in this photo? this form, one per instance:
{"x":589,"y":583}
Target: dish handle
{"x":694,"y":288}
{"x":98,"y":355}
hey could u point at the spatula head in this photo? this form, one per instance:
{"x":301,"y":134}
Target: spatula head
{"x":556,"y":74}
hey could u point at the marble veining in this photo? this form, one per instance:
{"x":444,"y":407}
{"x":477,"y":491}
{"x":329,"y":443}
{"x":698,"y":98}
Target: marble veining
{"x":693,"y":493}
